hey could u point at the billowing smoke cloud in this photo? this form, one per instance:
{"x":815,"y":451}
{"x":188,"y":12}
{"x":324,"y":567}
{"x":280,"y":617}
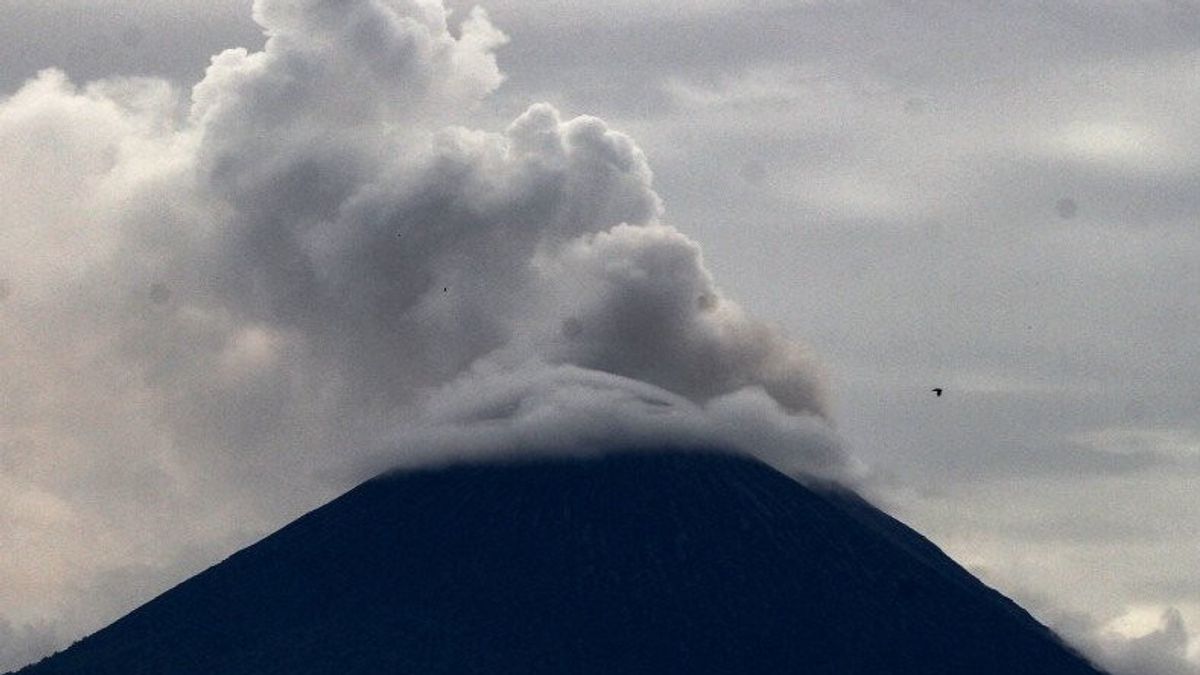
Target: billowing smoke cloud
{"x":212,"y":299}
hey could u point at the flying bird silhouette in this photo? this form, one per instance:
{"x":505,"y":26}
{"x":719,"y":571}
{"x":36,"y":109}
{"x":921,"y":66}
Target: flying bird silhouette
{"x":937,"y":390}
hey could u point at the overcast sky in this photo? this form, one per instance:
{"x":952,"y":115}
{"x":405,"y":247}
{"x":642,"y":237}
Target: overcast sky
{"x":1000,"y":199}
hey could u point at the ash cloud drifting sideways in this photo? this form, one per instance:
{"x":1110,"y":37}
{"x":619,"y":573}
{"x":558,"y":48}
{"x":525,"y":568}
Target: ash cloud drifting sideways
{"x":207,"y":291}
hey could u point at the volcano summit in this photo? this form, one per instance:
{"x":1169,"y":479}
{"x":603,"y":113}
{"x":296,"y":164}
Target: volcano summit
{"x":647,"y":562}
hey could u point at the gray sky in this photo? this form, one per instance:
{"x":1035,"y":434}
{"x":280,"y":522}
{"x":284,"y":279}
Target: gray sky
{"x":1000,"y":199}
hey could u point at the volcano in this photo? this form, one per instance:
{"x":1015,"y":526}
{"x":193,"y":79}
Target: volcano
{"x":640,"y":562}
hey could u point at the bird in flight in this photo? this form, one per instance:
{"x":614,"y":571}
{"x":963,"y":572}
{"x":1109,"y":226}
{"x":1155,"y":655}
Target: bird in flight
{"x":937,"y":390}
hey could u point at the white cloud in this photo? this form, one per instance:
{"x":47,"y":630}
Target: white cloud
{"x":1144,"y":641}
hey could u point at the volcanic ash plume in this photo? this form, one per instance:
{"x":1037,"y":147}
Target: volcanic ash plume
{"x":211,"y":298}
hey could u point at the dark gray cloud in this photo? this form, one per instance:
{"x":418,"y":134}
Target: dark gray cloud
{"x":91,"y":39}
{"x":620,"y":60}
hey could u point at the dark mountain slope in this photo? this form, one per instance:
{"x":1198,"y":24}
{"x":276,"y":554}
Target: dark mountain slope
{"x":634,"y":563}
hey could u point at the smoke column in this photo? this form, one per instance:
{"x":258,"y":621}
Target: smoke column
{"x":220,"y":305}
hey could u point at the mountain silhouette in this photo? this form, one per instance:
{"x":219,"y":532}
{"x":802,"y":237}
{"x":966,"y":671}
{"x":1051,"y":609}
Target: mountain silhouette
{"x":650,"y":562}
